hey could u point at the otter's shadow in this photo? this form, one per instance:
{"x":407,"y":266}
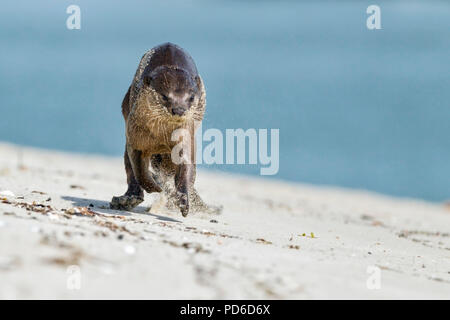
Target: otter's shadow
{"x":103,"y":207}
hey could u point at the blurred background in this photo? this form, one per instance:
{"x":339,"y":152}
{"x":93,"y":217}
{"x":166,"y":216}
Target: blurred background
{"x":358,"y":108}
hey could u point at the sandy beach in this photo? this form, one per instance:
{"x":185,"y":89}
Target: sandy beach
{"x":273,"y":240}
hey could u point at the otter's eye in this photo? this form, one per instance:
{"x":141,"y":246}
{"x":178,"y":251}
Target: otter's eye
{"x":191,"y":99}
{"x":165,"y":98}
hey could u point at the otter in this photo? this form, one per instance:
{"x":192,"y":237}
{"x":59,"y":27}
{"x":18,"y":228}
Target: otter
{"x":166,"y":94}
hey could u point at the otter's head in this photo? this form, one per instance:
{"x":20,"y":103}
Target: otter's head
{"x":177,"y":91}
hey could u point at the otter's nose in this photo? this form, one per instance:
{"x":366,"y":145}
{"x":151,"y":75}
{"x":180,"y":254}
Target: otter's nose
{"x":178,"y":111}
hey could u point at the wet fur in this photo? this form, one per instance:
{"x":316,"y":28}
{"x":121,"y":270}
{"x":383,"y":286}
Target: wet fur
{"x":149,"y":127}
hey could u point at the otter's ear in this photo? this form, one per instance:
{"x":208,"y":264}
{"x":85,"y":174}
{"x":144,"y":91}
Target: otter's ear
{"x":198,"y":81}
{"x":147,"y":79}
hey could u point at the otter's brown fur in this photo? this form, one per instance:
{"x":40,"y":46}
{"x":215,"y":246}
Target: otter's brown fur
{"x":151,"y":118}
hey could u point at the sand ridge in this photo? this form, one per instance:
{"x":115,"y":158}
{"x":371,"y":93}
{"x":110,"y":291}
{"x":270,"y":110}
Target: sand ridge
{"x":274,"y":240}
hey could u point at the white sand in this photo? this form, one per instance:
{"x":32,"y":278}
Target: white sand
{"x":162,"y":255}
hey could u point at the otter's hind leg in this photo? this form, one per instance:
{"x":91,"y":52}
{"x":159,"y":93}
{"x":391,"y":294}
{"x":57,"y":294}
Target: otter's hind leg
{"x":134,"y":195}
{"x":140,"y":165}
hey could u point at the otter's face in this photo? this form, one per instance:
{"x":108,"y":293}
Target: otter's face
{"x":177,"y":91}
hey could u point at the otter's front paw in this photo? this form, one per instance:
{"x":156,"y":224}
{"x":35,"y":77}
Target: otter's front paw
{"x":125,"y":202}
{"x":183,"y":203}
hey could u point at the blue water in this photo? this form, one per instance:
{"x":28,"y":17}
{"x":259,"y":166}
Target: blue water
{"x":355,"y":108}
